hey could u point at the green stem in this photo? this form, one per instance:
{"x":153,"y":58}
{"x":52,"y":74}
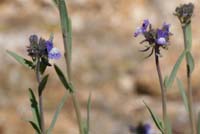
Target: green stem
{"x":77,"y":110}
{"x":163,"y":91}
{"x":65,"y":29}
{"x":74,"y":98}
{"x":40,"y":98}
{"x":189,"y":87}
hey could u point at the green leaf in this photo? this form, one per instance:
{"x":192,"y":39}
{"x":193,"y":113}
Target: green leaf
{"x":165,"y":81}
{"x":33,"y":124}
{"x":66,"y":29}
{"x":34,"y":108}
{"x":58,"y":110}
{"x":63,"y":16}
{"x":175,"y":70}
{"x":190,"y":61}
{"x":43,"y":65}
{"x":198,"y":124}
{"x":69,"y":38}
{"x":183,"y":94}
{"x":55,"y":2}
{"x":187,"y":36}
{"x":62,"y":78}
{"x":169,"y":127}
{"x":88,"y":114}
{"x":21,"y":60}
{"x":42,"y":84}
{"x":155,"y":118}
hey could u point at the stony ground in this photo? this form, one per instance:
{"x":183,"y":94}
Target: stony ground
{"x":105,"y":62}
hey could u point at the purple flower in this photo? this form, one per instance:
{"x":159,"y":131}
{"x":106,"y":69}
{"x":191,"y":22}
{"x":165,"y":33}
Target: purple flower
{"x":156,"y":38}
{"x":142,"y":29}
{"x":163,"y":35}
{"x":53,"y":53}
{"x":166,"y":27}
{"x":141,"y":129}
{"x":147,"y":128}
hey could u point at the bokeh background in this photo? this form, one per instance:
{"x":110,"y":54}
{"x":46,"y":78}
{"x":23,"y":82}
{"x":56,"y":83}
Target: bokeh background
{"x":105,"y":61}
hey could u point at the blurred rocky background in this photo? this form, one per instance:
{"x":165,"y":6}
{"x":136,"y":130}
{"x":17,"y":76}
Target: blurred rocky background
{"x":106,"y":62}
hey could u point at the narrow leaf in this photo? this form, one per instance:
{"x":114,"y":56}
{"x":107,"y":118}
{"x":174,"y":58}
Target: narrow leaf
{"x":183,"y":94}
{"x":64,"y":19}
{"x":21,"y":60}
{"x":198,"y":124}
{"x":165,"y":81}
{"x":33,"y":124}
{"x":175,"y":70}
{"x":88,"y":114}
{"x":62,"y":78}
{"x":57,"y":112}
{"x":34,"y":108}
{"x":66,"y":29}
{"x":190,"y":61}
{"x":169,"y":127}
{"x":69,"y":38}
{"x":55,"y":2}
{"x":43,"y":65}
{"x":156,"y":120}
{"x":42,"y":84}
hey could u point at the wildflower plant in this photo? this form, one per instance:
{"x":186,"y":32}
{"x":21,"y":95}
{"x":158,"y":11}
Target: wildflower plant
{"x":66,"y":26}
{"x":41,"y":52}
{"x":159,"y":38}
{"x":184,"y":13}
{"x":156,"y":39}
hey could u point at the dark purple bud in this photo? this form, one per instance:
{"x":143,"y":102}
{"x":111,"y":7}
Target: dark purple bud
{"x":33,"y":39}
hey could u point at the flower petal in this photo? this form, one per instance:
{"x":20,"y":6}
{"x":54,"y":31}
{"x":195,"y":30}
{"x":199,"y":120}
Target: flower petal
{"x":137,"y":32}
{"x":142,"y":29}
{"x":161,"y":41}
{"x":49,"y":45}
{"x":54,"y":53}
{"x":145,"y":25}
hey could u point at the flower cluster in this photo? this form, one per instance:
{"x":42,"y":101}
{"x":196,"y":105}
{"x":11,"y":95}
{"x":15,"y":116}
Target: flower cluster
{"x":141,"y":129}
{"x":40,"y":48}
{"x":155,"y":37}
{"x":184,"y":13}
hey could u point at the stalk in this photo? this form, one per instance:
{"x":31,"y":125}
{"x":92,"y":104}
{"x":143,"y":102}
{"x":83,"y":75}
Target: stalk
{"x":189,"y":87}
{"x":163,"y":91}
{"x":66,"y":30}
{"x":38,"y":76}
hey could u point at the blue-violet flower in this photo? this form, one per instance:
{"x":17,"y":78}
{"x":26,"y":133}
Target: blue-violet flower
{"x":156,"y":38}
{"x":53,"y":53}
{"x":40,"y":48}
{"x":142,"y":29}
{"x":141,"y":129}
{"x":163,"y":35}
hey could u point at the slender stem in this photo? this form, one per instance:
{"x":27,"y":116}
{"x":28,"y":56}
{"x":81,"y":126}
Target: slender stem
{"x":38,"y":76}
{"x":64,"y":21}
{"x":163,"y":91}
{"x":189,"y":88}
{"x":78,"y":114}
{"x":73,"y":95}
